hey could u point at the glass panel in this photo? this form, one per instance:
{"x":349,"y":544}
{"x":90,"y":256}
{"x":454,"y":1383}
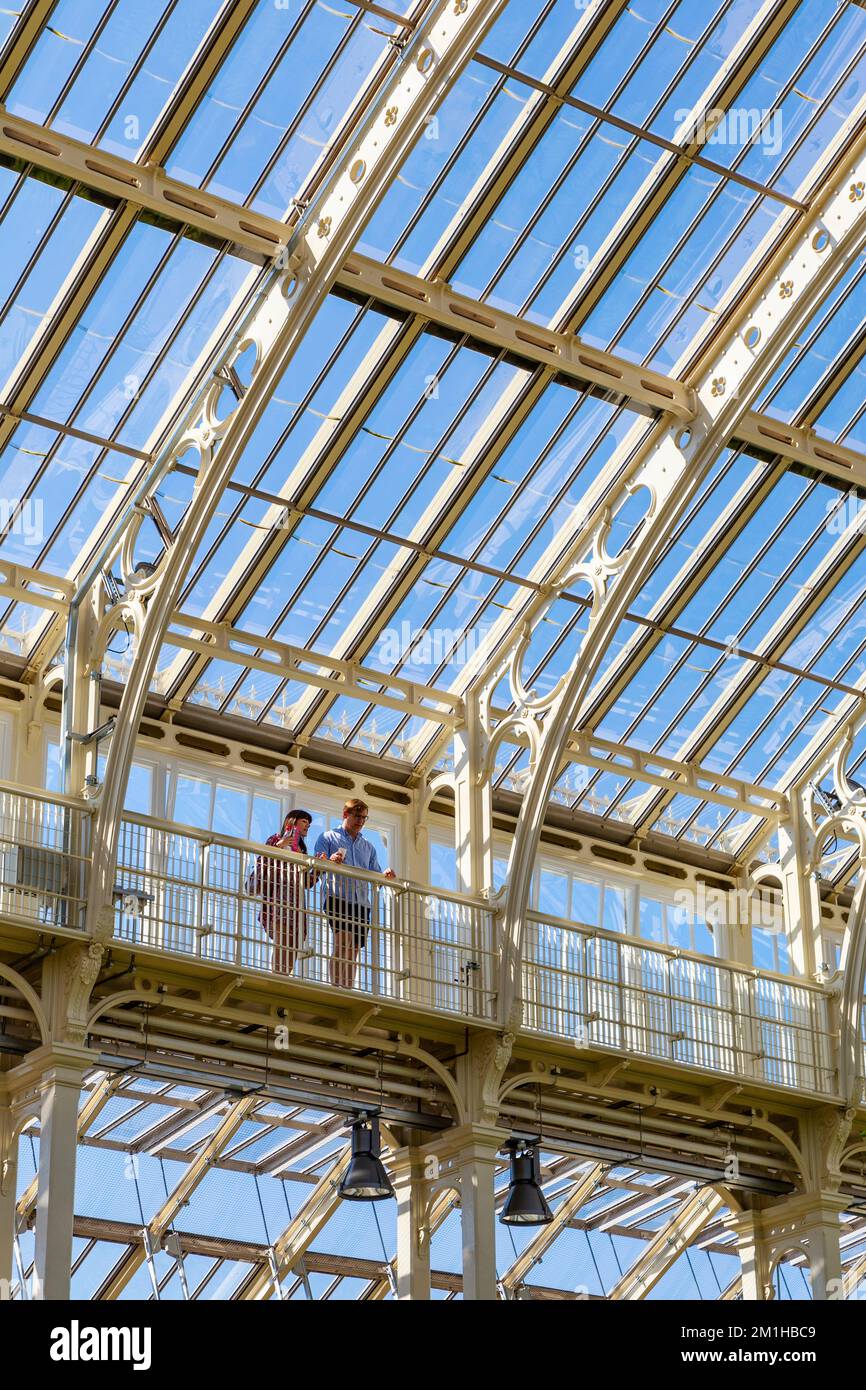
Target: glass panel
{"x":231,"y":811}
{"x":192,"y":803}
{"x":586,"y":901}
{"x":615,"y":909}
{"x":278,"y":101}
{"x":553,"y":893}
{"x":652,"y":919}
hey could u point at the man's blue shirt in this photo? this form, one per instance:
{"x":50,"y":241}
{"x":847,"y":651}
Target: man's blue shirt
{"x":360,"y":854}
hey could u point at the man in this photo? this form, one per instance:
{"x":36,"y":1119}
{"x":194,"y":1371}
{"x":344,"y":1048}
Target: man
{"x":347,"y":900}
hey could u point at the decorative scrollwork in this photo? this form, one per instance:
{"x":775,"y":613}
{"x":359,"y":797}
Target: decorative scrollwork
{"x":853,"y":797}
{"x":602,"y":567}
{"x":523,"y":722}
{"x":842,"y":811}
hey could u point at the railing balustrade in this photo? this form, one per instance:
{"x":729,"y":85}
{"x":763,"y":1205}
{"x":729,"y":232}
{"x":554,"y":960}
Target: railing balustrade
{"x":44,"y":857}
{"x":253,"y":906}
{"x":228,"y":901}
{"x":606,"y":990}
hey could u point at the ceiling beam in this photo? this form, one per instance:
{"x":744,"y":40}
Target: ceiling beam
{"x":672,"y":465}
{"x":31,"y":20}
{"x":790,"y":623}
{"x":429,"y":65}
{"x":99,"y":252}
{"x":518,"y":401}
{"x":142,"y":188}
{"x":654,"y":1262}
{"x":372,"y":377}
{"x":159,"y":1225}
{"x":292,"y":1245}
{"x":221,"y":641}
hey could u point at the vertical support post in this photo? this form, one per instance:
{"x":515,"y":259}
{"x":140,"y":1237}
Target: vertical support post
{"x":478,"y":1214}
{"x":8,"y":1191}
{"x":413,"y":1230}
{"x":807,"y":1224}
{"x":60,"y":1090}
{"x":753,"y":1252}
{"x":801,"y":911}
{"x":467,"y":1158}
{"x":732,"y":927}
{"x":822,"y":1229}
{"x":416,"y":846}
{"x":82,"y":688}
{"x":28,"y":753}
{"x":473,"y":810}
{"x":412,"y":918}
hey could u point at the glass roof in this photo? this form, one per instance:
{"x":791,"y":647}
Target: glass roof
{"x":615,"y":172}
{"x":133,"y":1155}
{"x":277,"y":102}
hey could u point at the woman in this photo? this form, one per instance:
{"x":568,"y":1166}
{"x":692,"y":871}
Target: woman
{"x":283,"y":889}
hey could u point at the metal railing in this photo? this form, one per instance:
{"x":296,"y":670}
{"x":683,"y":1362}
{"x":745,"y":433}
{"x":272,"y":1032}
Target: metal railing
{"x":232,"y":902}
{"x":44,"y":857}
{"x":602,"y":989}
{"x":228,"y":900}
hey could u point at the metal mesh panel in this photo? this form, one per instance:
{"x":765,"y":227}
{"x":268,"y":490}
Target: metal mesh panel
{"x":600,"y":989}
{"x":264,"y":909}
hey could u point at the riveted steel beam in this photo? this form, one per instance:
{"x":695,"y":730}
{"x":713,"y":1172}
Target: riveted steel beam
{"x":220,"y":641}
{"x":142,"y":187}
{"x":504,"y":422}
{"x":435,"y":302}
{"x":372,"y":377}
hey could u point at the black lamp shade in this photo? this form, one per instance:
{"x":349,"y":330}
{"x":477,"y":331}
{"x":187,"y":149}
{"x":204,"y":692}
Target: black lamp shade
{"x":365,"y":1179}
{"x":525,"y":1204}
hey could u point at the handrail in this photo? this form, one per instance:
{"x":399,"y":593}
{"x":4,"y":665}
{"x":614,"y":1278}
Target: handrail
{"x":45,"y":857}
{"x":255,"y":847}
{"x":599,"y":987}
{"x":184,"y":890}
{"x":74,"y":803}
{"x":222,"y":898}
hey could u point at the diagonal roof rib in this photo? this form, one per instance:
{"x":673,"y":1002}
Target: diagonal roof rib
{"x":433,"y":526}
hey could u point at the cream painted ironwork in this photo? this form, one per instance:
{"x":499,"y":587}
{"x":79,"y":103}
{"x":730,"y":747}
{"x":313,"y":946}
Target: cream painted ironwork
{"x":177,"y":895}
{"x":669,"y":471}
{"x":221,"y":427}
{"x":196,"y":893}
{"x":607,"y":990}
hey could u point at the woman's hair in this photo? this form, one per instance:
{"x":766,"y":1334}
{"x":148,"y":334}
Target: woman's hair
{"x":292,"y":818}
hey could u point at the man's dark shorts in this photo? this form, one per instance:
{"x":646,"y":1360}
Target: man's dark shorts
{"x":349,"y":917}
